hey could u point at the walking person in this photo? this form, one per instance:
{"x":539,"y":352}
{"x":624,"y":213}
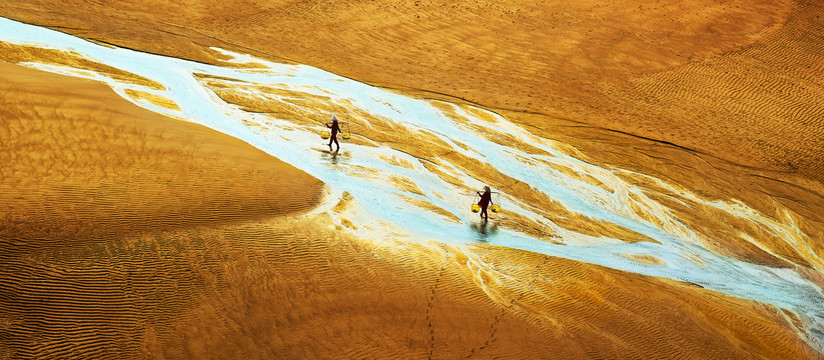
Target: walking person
{"x":335,"y":130}
{"x":486,"y":199}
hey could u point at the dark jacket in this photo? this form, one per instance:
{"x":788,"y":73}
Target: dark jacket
{"x":335,"y":128}
{"x":486,"y":198}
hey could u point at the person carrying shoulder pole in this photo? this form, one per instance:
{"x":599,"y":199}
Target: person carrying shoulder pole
{"x":335,"y":129}
{"x":486,"y":199}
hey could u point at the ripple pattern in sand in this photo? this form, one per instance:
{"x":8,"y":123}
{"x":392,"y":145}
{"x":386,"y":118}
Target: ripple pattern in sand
{"x":455,"y":135}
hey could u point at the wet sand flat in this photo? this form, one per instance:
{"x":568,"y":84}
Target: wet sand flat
{"x":124,"y":233}
{"x":721,"y":83}
{"x":181,"y":265}
{"x":735,"y":79}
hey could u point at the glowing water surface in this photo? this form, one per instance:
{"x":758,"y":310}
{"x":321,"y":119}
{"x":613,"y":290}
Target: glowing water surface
{"x":378,"y":213}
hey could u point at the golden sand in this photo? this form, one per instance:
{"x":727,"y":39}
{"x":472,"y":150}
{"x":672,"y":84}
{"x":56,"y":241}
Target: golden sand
{"x":126,"y":235}
{"x":738,"y":79}
{"x":130,"y":239}
{"x":689,"y":85}
{"x":120,"y":169}
{"x":186,"y":259}
{"x":152,"y":98}
{"x":17,"y":54}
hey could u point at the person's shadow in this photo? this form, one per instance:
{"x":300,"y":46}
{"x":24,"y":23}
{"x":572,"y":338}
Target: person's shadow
{"x":485,"y":229}
{"x":334,"y":157}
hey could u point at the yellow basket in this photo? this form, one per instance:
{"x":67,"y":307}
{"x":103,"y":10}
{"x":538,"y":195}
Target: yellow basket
{"x":476,"y":208}
{"x":345,"y":135}
{"x":325,"y":134}
{"x":495,"y":208}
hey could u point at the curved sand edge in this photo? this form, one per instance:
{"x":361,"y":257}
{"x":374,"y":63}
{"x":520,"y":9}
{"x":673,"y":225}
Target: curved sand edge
{"x":79,"y":160}
{"x":98,"y":260}
{"x":735,"y":79}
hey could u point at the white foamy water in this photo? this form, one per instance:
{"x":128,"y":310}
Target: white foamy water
{"x":381,"y":215}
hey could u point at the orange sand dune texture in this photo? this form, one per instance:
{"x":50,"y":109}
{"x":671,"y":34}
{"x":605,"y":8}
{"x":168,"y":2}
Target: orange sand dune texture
{"x":738,"y":79}
{"x":790,"y":199}
{"x":704,"y":174}
{"x":80,"y":161}
{"x":768,"y":191}
{"x":328,"y":297}
{"x":293,"y":289}
{"x":130,"y":235}
{"x":730,"y":80}
{"x":302,"y":109}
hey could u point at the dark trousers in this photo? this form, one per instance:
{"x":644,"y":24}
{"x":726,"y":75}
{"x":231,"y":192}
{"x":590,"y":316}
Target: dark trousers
{"x":334,"y":138}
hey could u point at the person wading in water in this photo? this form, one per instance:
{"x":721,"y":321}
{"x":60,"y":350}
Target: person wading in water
{"x":335,"y":130}
{"x":486,"y":199}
